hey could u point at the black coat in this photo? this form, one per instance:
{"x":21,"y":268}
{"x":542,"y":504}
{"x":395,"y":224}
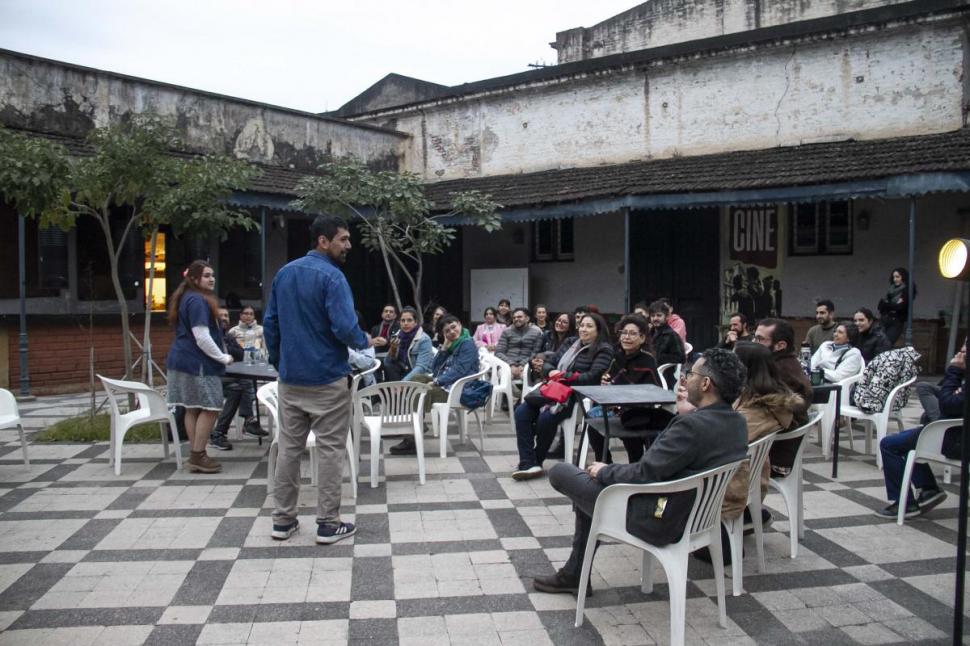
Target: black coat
{"x":588,"y":366}
{"x":640,"y":368}
{"x":692,"y":443}
{"x":873,"y":342}
{"x":376,"y":330}
{"x":667,"y":346}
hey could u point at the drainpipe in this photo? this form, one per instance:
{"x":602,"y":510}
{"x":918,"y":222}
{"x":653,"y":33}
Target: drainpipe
{"x":912,"y":267}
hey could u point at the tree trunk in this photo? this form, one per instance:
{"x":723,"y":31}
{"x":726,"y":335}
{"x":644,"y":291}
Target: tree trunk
{"x":119,"y":293}
{"x":390,"y":272}
{"x":146,"y":348}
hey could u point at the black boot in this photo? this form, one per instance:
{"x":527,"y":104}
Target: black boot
{"x":404,"y":447}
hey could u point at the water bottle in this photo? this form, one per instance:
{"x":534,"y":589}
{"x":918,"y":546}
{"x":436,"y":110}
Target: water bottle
{"x":805,"y":359}
{"x":248,"y":338}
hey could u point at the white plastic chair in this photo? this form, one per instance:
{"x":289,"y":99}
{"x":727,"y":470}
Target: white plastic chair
{"x":757,"y":454}
{"x":929,"y":448}
{"x":661,"y":370}
{"x":401,"y":410}
{"x":268,"y":396}
{"x":355,"y":428}
{"x":10,"y":416}
{"x":829,"y":413}
{"x":703,"y":529}
{"x":501,"y":378}
{"x":879,"y":419}
{"x":441,"y":411}
{"x":151,"y":408}
{"x":527,"y":385}
{"x":791,"y":487}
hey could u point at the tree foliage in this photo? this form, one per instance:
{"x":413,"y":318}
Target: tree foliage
{"x":130,"y":172}
{"x":396,"y":216}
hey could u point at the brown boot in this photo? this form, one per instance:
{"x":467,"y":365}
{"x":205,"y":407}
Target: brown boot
{"x":200,"y":462}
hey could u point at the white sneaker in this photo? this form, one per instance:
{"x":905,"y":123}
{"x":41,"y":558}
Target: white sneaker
{"x":528,"y":474}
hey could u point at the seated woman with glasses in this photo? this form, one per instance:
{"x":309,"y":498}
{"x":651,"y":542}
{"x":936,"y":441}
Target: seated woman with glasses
{"x":581,"y":362}
{"x":632,"y":364}
{"x":839,"y":358}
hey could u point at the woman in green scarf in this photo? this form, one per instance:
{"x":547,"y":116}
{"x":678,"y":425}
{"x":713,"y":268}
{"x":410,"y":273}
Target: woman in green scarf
{"x":457,"y":358}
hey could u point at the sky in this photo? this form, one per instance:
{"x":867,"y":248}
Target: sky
{"x":303,"y":54}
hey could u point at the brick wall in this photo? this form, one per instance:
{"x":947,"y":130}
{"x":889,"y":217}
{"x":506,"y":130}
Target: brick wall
{"x":59,"y":353}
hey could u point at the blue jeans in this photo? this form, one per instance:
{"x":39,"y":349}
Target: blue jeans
{"x":535,"y":428}
{"x":894,"y":450}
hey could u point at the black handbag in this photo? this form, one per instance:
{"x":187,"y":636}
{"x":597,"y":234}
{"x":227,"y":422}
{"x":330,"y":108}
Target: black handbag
{"x":659,"y":519}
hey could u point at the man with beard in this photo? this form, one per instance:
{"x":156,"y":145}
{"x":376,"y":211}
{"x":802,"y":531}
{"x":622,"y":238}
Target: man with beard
{"x":309,"y":324}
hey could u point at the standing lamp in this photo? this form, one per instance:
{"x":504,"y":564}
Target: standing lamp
{"x":954,"y":264}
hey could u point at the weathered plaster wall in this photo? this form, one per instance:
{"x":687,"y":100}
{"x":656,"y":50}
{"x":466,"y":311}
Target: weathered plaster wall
{"x":663,"y":22}
{"x":595,"y":276}
{"x":65,"y":99}
{"x":895,"y":82}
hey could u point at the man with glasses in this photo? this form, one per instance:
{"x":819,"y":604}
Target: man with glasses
{"x":519,"y":343}
{"x":712,"y":435}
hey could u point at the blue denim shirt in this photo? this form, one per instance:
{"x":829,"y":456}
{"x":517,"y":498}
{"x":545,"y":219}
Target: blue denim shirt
{"x":310,"y":322}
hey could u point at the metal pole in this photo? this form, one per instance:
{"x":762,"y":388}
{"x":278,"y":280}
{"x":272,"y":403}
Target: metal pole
{"x":262,"y":259}
{"x":962,"y":526}
{"x":626,"y":261}
{"x":22,"y":253}
{"x":912,"y":274}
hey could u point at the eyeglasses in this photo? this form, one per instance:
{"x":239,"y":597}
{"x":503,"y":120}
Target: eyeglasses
{"x":632,"y":333}
{"x":686,"y":374}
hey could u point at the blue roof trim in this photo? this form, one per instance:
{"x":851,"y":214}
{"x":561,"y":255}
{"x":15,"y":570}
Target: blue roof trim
{"x":892,"y":187}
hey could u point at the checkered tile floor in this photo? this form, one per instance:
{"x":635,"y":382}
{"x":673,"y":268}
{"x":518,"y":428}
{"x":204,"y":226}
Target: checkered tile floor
{"x":162,"y":557}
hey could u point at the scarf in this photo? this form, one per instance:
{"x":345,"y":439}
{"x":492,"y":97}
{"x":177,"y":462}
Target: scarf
{"x":404,"y":343}
{"x":569,"y":356}
{"x":451,"y":347}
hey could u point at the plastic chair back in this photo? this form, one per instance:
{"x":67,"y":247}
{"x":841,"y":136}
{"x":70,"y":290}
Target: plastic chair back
{"x":399,"y":401}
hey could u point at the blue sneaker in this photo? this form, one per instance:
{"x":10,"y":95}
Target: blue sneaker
{"x":327,"y":534}
{"x":283,"y":532}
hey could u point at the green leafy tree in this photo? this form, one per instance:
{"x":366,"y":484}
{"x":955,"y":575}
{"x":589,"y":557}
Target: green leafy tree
{"x":131,"y":175}
{"x":395,"y":215}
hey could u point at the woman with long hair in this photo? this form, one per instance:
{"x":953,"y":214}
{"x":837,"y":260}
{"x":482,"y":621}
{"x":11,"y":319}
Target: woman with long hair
{"x":560,"y":330}
{"x":580,"y":361}
{"x":872,"y":340}
{"x":432,"y":320}
{"x":767,"y":405}
{"x":409,"y":352}
{"x":894,"y":306}
{"x":197,"y":360}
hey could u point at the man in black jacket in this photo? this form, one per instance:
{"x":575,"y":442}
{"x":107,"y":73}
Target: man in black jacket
{"x":712,"y":435}
{"x":667,"y":346}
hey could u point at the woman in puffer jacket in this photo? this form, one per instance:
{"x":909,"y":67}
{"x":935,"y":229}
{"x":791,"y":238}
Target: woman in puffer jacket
{"x":767,"y":406}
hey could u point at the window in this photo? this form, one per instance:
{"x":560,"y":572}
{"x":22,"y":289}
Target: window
{"x":820,"y":229}
{"x":552,"y":240}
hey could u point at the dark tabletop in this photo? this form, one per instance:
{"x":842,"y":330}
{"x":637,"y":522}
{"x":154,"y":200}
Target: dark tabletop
{"x":642,"y":394}
{"x":263,"y":372}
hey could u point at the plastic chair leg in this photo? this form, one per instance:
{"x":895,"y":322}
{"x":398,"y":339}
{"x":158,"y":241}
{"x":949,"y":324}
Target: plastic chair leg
{"x":646,"y":572}
{"x":584,"y":577}
{"x":419,"y":445}
{"x":735,"y":532}
{"x":352,"y":464}
{"x":161,"y":429}
{"x":759,"y":537}
{"x":677,"y":585}
{"x":274,"y":450}
{"x":119,"y":440}
{"x":584,"y":449}
{"x":717,"y":560}
{"x":481,"y":431}
{"x":439,"y":422}
{"x":905,"y":486}
{"x":375,"y":457}
{"x":176,"y":443}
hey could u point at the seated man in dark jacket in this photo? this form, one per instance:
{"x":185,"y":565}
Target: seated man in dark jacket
{"x":896,"y":447}
{"x":667,"y":346}
{"x":712,"y":435}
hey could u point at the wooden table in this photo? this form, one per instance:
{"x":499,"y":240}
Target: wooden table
{"x":623,"y":395}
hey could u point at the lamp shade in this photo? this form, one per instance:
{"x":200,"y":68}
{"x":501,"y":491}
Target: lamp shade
{"x":953,"y":259}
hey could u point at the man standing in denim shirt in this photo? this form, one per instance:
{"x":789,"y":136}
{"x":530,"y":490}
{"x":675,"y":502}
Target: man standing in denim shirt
{"x":309,"y":324}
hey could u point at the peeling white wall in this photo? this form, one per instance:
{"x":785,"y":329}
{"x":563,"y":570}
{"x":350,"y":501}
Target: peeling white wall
{"x":896,"y":82}
{"x":664,"y":22}
{"x":70,"y":100}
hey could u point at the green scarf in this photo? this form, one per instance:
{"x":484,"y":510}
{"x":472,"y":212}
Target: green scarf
{"x":461,"y":337}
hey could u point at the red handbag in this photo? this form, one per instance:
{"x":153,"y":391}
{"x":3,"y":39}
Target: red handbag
{"x":555,"y":390}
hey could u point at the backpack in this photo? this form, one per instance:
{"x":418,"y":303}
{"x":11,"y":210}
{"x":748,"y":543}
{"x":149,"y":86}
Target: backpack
{"x":475,"y":394}
{"x":885,"y":372}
